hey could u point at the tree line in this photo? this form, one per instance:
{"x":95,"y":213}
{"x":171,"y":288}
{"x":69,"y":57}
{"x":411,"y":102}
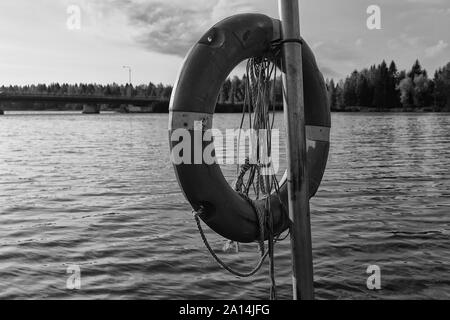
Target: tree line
{"x":384,"y":88}
{"x":115,"y":90}
{"x":158,"y":91}
{"x":378,"y":88}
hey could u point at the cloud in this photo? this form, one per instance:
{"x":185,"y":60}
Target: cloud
{"x":317,"y":45}
{"x":172,"y":27}
{"x":409,"y":40}
{"x":168,"y":28}
{"x":436,"y":50}
{"x":225,"y":8}
{"x":426,"y":1}
{"x":329,"y":73}
{"x":334,"y":56}
{"x":404,"y":41}
{"x":338,"y":52}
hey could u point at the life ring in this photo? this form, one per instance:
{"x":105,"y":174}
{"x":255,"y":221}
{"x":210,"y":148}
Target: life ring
{"x":194,"y":97}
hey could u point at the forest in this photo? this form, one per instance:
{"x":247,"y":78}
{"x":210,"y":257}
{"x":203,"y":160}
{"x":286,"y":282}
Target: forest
{"x":378,"y":88}
{"x":384,"y":88}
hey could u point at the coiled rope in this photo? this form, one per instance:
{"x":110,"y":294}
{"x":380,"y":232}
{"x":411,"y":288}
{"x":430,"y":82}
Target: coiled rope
{"x":260,"y":80}
{"x":218,"y":260}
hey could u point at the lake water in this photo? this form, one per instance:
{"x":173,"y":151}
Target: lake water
{"x":99,"y":192}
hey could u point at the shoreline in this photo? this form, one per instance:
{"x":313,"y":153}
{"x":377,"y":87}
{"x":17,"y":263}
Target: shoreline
{"x":163,"y":107}
{"x":55,"y":111}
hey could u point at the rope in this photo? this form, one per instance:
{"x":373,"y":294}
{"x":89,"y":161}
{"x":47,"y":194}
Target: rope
{"x":218,"y":260}
{"x":239,"y":184}
{"x":260,"y":214}
{"x":260,"y":80}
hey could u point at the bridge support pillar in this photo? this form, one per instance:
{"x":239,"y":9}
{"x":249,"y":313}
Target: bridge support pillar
{"x":91,"y":108}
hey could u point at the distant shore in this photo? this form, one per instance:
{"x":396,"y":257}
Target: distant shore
{"x":163,"y":107}
{"x":392,"y":110}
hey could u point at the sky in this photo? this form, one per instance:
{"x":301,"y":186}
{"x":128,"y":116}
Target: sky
{"x":41,"y":43}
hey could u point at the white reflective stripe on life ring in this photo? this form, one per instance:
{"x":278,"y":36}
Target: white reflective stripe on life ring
{"x":313,"y":133}
{"x":316,"y":133}
{"x":190,"y":120}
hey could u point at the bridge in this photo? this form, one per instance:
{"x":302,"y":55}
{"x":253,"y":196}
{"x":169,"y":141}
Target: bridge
{"x":91,"y":103}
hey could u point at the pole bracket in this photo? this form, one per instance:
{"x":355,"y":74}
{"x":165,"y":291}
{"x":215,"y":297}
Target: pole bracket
{"x":290,"y":40}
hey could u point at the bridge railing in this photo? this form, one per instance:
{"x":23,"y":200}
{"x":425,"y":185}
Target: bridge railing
{"x":67,"y":95}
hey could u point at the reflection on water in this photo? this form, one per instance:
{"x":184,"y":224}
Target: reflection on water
{"x":98,"y":191}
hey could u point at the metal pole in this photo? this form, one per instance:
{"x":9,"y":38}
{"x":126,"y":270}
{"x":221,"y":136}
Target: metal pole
{"x":298,"y":181}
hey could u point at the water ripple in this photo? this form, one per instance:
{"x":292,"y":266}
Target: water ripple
{"x":100,"y":192}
